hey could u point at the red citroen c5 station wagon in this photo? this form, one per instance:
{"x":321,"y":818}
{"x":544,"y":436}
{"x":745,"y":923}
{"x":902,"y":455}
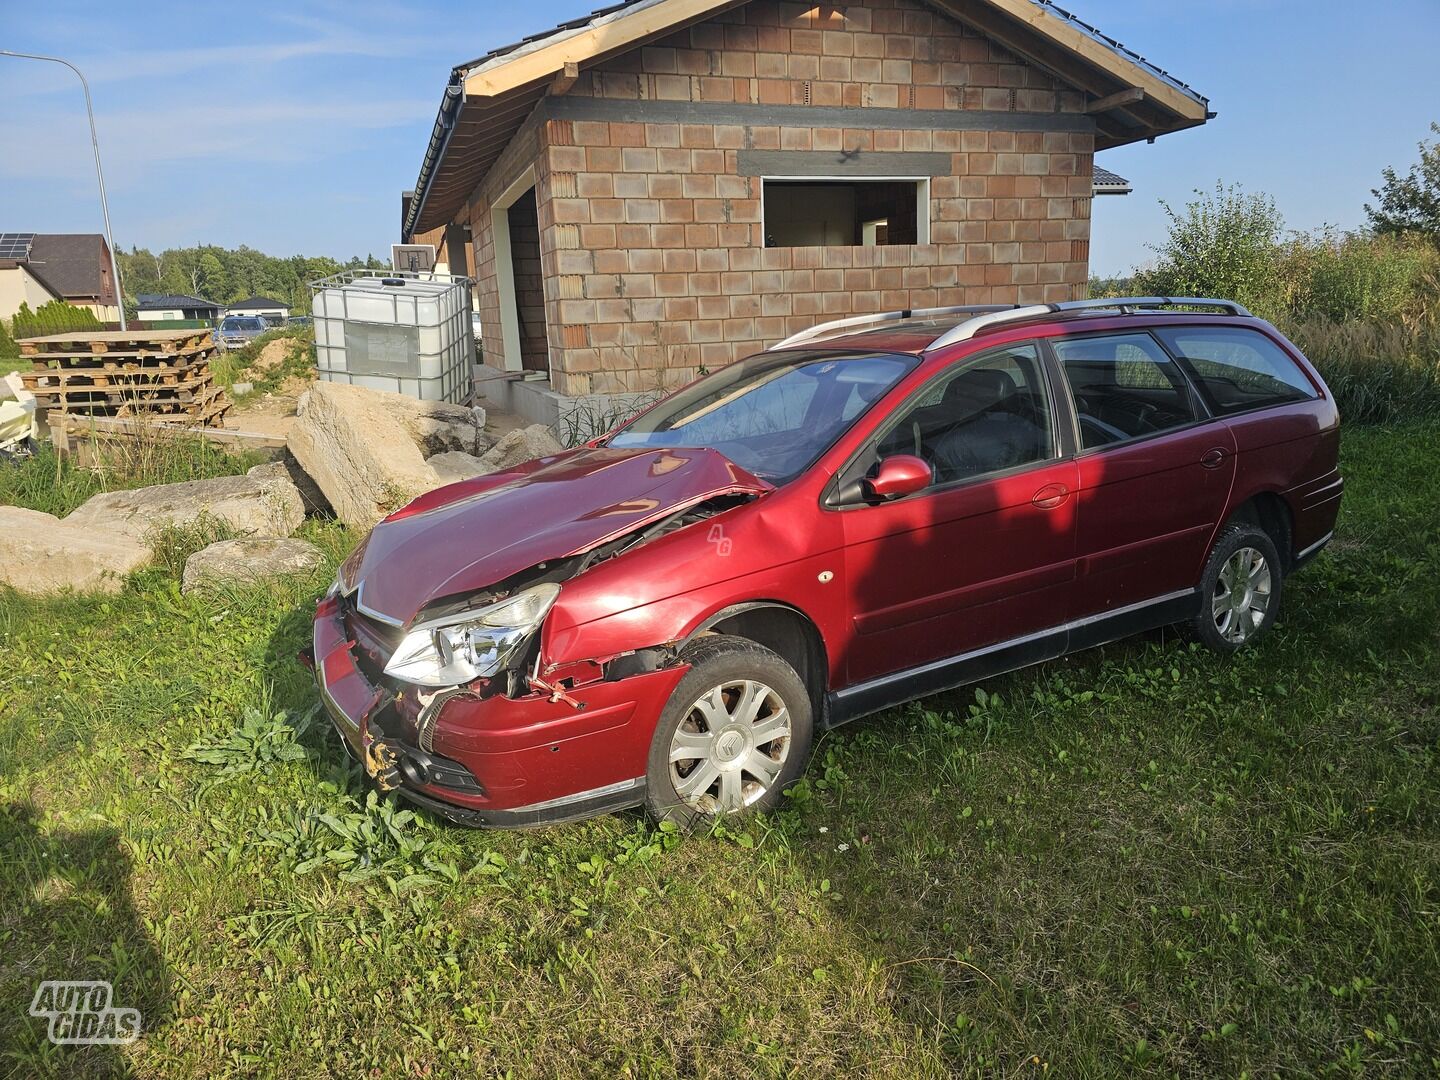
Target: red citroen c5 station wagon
{"x":873,"y":510}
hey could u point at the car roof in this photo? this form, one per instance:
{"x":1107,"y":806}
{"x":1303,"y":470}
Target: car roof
{"x":923,"y":331}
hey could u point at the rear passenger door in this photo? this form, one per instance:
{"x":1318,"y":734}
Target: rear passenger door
{"x":1286,"y":434}
{"x":1154,"y":471}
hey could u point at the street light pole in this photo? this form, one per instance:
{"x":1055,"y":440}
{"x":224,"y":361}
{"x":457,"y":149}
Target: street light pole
{"x":99,"y":174}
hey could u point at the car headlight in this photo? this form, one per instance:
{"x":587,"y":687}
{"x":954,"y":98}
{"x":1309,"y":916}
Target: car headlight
{"x":471,"y":644}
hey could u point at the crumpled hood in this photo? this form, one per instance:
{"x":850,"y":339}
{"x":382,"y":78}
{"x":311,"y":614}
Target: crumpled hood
{"x":468,"y":536}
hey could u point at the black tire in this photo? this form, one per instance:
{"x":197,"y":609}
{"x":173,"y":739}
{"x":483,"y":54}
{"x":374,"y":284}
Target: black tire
{"x":716,"y":661}
{"x":1210,"y":627}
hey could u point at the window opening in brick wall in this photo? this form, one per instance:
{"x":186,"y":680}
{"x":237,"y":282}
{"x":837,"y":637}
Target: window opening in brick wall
{"x":845,"y":213}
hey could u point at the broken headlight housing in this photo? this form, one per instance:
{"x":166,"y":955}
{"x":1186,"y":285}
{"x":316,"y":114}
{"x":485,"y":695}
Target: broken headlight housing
{"x":471,"y":644}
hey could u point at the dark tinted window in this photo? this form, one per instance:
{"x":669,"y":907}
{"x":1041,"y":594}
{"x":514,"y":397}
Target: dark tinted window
{"x":1237,"y":369}
{"x":991,"y":414}
{"x":1124,"y":387}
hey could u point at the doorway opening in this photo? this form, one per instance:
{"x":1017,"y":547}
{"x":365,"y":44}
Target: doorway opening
{"x":515,"y":224}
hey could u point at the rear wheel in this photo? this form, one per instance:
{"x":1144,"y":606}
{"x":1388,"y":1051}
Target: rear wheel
{"x":1240,"y":589}
{"x":734,"y":734}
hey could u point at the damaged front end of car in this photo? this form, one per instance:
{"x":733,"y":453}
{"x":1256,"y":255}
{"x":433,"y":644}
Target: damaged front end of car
{"x":458,"y":707}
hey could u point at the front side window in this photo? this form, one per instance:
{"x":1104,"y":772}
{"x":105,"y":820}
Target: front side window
{"x":990,"y":415}
{"x":1124,"y":387}
{"x":773,"y":414}
{"x":1237,"y":369}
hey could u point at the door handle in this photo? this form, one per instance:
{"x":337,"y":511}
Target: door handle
{"x":1050,"y":496}
{"x":1213,"y":458}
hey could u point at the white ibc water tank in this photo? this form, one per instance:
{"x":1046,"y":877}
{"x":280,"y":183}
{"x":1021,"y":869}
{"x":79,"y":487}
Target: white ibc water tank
{"x":399,"y":331}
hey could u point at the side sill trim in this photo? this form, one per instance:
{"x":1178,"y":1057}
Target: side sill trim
{"x":941,"y":675}
{"x":938,"y":665}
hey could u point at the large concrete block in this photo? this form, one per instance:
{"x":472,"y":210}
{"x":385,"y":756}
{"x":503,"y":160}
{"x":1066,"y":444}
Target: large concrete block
{"x":358,"y":448}
{"x":522,"y":444}
{"x":367,"y":450}
{"x":41,"y":554}
{"x":248,"y":561}
{"x":261,"y":504}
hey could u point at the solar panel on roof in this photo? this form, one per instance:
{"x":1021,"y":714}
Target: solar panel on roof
{"x":15,"y":245}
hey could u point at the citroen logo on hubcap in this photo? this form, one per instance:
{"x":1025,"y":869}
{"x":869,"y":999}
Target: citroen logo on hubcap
{"x":729,"y":745}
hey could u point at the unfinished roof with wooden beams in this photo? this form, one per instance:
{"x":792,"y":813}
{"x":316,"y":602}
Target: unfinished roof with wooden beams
{"x":488,"y":98}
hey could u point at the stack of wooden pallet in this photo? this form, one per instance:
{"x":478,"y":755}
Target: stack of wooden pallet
{"x":158,"y":375}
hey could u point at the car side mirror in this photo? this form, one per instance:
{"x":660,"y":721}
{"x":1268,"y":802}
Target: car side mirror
{"x":902,"y":474}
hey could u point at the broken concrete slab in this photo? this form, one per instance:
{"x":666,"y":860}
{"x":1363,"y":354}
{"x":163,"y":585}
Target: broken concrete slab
{"x":453,"y":466}
{"x":41,"y":554}
{"x":522,"y":444}
{"x":264,"y":505}
{"x":248,"y":561}
{"x":438,"y":427}
{"x":311,"y":496}
{"x":357,"y":447}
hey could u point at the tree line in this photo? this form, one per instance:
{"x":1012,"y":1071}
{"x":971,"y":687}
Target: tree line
{"x":224,"y":275}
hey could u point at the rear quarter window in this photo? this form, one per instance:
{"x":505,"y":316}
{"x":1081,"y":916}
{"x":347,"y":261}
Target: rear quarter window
{"x":1237,"y":369}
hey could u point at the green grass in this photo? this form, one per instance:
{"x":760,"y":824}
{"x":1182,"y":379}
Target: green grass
{"x":57,"y":484}
{"x":1144,"y":858}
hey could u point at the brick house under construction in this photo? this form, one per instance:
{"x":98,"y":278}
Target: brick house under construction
{"x":671,"y":184}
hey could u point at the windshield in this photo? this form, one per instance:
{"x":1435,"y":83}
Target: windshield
{"x":773,"y":414}
{"x":243,"y":322}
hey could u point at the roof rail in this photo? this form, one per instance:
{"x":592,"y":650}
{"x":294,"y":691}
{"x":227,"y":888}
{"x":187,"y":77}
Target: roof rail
{"x":1125,"y":305}
{"x":836,"y":326}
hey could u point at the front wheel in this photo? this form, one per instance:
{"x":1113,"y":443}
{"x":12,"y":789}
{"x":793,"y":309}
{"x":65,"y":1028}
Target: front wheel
{"x":734,"y":734}
{"x":1239,"y":590}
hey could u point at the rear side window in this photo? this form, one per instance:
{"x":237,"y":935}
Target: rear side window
{"x":1237,"y":369}
{"x":1124,"y":387}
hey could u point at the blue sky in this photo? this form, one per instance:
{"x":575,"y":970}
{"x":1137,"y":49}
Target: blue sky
{"x":293,"y":126}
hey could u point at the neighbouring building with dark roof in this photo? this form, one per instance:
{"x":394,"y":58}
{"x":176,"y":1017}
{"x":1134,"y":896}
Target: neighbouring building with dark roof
{"x":263,"y":306}
{"x":667,"y":185}
{"x":164,"y":307}
{"x":36,"y":268}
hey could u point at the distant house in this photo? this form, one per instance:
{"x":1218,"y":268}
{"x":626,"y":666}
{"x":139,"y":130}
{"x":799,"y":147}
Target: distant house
{"x":1109,"y":183}
{"x":263,"y":306}
{"x":156,"y":307}
{"x":36,"y":268}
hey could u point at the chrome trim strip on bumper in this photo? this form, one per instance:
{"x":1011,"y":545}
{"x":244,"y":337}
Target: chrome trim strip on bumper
{"x":1313,"y":548}
{"x":579,"y":796}
{"x":937,"y":665}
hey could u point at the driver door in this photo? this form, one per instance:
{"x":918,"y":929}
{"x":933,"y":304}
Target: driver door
{"x":986,"y":553}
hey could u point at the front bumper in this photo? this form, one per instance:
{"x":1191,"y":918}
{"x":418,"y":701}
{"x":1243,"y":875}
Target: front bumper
{"x":498,"y":761}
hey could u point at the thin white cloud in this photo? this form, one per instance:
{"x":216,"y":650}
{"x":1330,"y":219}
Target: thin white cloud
{"x":135,"y":141}
{"x":150,"y":64}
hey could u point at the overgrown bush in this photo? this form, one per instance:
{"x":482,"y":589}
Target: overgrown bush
{"x":9,"y":350}
{"x":1225,"y":244}
{"x":1378,"y":371}
{"x":1365,"y":308}
{"x":1343,"y":277}
{"x":55,"y":317}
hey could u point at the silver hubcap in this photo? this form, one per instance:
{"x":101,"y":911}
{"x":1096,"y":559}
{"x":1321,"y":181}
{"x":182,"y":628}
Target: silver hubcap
{"x":1242,"y":595}
{"x":730,"y":747}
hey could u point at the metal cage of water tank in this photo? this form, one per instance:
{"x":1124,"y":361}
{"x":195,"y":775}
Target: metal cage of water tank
{"x":406,"y":332}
